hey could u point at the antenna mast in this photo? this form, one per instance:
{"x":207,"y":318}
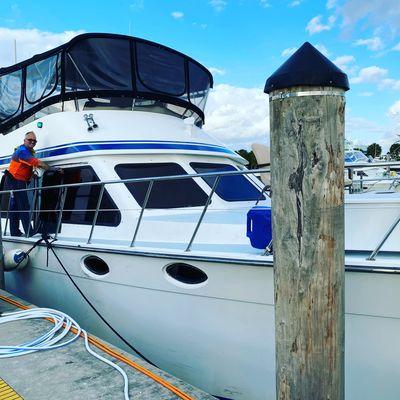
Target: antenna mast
{"x":15,"y":51}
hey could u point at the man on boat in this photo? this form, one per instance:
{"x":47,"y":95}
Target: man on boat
{"x":17,"y":177}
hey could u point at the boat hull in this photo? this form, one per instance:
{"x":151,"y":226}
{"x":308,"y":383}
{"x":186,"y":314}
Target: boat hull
{"x":218,"y":335}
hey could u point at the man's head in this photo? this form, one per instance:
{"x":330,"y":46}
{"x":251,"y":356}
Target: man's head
{"x":30,"y":140}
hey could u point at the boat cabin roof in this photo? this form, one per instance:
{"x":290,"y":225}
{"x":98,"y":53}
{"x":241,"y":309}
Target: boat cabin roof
{"x":103,"y":65}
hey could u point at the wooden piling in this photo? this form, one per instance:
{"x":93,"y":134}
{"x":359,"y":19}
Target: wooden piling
{"x":307,"y":178}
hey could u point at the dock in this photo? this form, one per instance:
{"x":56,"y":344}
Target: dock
{"x":72,"y":373}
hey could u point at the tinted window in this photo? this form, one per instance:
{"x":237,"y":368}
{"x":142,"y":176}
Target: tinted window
{"x":164,"y":194}
{"x":160,"y":70}
{"x":81,"y":201}
{"x":230,"y":188}
{"x":99,"y":64}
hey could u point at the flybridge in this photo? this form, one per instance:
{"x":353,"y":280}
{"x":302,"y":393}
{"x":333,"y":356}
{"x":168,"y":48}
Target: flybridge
{"x":117,"y":67}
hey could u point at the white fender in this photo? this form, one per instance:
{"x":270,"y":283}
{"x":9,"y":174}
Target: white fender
{"x":13,"y":257}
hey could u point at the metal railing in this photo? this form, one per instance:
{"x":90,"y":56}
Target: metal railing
{"x":37,"y":193}
{"x":391,"y":181}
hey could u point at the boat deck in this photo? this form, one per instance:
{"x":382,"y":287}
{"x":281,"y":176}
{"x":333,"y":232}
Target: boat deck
{"x":72,"y":373}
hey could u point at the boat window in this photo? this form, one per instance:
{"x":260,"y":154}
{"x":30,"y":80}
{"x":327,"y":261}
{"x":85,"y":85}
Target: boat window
{"x":165,"y":194}
{"x":94,"y":64}
{"x":349,"y":157}
{"x":198,"y":86}
{"x":10,"y":94}
{"x":81,"y":201}
{"x":230,"y":188}
{"x":42,"y":79}
{"x":186,"y":273}
{"x":361,"y":157}
{"x":160,"y":70}
{"x":355,"y":156}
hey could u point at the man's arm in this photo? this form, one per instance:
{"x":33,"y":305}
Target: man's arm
{"x":26,"y":157}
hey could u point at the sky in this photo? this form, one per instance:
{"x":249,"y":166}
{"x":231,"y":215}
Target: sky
{"x":242,"y":42}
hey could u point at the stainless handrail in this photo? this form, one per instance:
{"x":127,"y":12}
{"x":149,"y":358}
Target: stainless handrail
{"x":142,"y":211}
{"x":8,"y":211}
{"x":151,"y":181}
{"x":31,"y":212}
{"x":372,"y":164}
{"x":96,"y":213}
{"x":203,"y":213}
{"x":136,"y":180}
{"x":383,"y":241}
{"x":62,"y":202}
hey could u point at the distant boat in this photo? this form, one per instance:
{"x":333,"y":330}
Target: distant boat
{"x":370,"y":177}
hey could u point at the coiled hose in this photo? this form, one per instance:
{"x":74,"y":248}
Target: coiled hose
{"x":53,"y":339}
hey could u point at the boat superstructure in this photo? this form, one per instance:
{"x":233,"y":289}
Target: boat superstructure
{"x":148,"y":216}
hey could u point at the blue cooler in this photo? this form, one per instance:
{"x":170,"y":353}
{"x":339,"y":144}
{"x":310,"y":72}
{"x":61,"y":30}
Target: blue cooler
{"x":259,"y":226}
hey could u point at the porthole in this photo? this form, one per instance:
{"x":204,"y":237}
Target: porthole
{"x":96,"y":265}
{"x":187,"y":274}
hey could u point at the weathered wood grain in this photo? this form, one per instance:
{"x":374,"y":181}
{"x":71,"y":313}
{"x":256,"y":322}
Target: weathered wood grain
{"x":307,"y":177}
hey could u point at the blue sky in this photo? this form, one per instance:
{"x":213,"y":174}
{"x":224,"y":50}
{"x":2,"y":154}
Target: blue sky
{"x":242,"y":42}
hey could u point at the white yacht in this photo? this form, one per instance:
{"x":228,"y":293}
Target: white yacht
{"x":150,"y":220}
{"x":372,"y":177}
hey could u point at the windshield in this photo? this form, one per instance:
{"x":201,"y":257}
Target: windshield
{"x":355,"y":156}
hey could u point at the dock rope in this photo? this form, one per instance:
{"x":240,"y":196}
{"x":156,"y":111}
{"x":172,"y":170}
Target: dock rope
{"x":53,"y":339}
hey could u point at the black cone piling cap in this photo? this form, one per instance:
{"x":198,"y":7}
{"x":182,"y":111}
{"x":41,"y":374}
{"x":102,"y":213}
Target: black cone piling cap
{"x":307,"y":67}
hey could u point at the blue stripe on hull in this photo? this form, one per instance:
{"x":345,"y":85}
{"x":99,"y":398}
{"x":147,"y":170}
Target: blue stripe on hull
{"x":120,"y":145}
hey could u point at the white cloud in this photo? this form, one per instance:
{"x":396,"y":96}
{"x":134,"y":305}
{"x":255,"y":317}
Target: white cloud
{"x":394,"y":110}
{"x":265,"y":3}
{"x":218,"y":5}
{"x":29,"y":43}
{"x":322,"y":49}
{"x":397,"y":47}
{"x":343,"y":61}
{"x":384,"y":14}
{"x":295,"y":3}
{"x":366,"y":94}
{"x":390,"y":83}
{"x":177,"y":14}
{"x":137,"y":5}
{"x":373,"y":44}
{"x":202,"y":26}
{"x":371,"y":74}
{"x":377,"y":76}
{"x":330,"y":4}
{"x":288,"y":52}
{"x":238,"y":116}
{"x":315,"y":25}
{"x":346,"y":63}
{"x":217,"y":71}
{"x":364,"y":132}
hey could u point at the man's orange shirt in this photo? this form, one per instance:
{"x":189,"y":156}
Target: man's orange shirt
{"x":22,"y":163}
